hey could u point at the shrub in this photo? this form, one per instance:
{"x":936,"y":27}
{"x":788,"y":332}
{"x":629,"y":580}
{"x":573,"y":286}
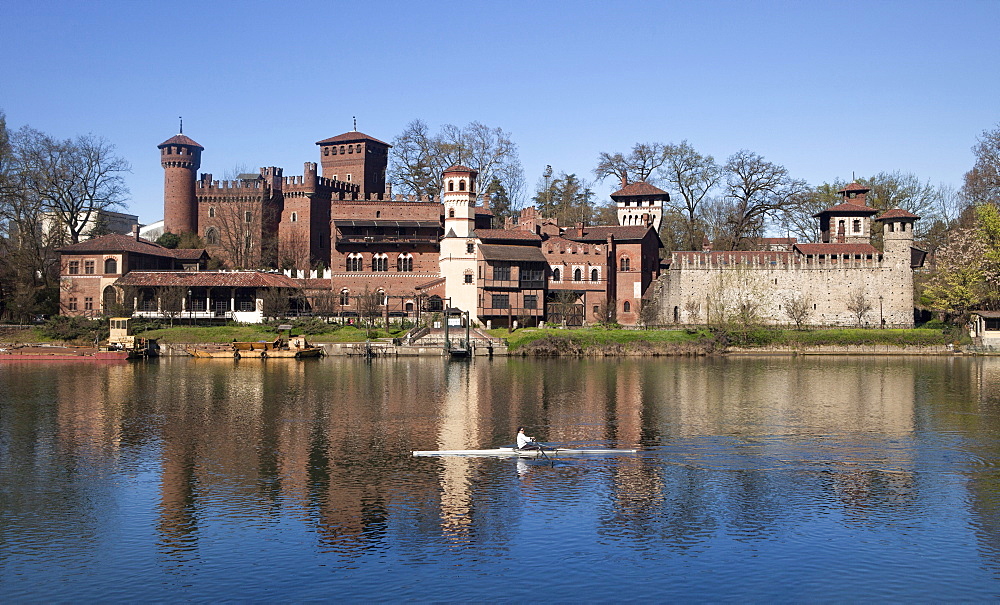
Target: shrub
{"x":79,"y":329}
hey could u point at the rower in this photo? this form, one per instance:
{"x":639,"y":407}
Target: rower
{"x":525,"y":442}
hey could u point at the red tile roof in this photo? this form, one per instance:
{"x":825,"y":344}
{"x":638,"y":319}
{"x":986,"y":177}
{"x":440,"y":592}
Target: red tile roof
{"x":854,"y":187}
{"x":116,"y":242}
{"x":207,"y":279}
{"x":896,"y":213}
{"x":638,"y":188}
{"x":512,"y":253}
{"x":179,"y":139}
{"x":848,"y":208}
{"x":508,"y":234}
{"x":850,"y":249}
{"x":351,"y":137}
{"x":594,"y":234}
{"x":459,"y":168}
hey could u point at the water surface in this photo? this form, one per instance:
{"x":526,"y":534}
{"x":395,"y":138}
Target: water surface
{"x":761,"y":479}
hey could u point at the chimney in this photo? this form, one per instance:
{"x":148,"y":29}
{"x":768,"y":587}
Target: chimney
{"x":135,"y":232}
{"x":624,"y":180}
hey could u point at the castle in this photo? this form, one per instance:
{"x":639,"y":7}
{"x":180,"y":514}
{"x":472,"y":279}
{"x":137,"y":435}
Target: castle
{"x":339,"y":235}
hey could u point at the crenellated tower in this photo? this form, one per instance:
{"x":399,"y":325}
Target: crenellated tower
{"x":354,"y":157}
{"x":180,"y":157}
{"x":640,"y":204}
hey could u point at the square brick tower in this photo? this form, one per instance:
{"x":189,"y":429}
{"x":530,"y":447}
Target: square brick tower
{"x":356,"y":158}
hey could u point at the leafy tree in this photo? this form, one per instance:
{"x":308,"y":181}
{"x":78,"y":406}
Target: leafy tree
{"x":499,"y":202}
{"x":567,"y":199}
{"x":169,"y":240}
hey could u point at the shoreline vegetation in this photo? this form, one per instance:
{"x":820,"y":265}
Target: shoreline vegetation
{"x":595,"y":341}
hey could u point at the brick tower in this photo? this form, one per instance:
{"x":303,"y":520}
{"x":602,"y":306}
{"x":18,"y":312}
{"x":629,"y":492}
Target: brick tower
{"x":354,"y":157}
{"x":181,"y":158}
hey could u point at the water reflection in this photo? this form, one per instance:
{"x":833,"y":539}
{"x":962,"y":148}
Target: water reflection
{"x":761,"y":455}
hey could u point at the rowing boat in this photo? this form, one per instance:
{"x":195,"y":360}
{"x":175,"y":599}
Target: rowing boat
{"x":512,"y":451}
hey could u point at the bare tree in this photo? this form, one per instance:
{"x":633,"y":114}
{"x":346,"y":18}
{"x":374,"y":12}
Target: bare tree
{"x":369,"y":305}
{"x":243,"y":229}
{"x":904,"y":190}
{"x":693,"y":176}
{"x":982,"y":183}
{"x":418,"y":158}
{"x":859,"y":305}
{"x":692,"y":309}
{"x":638,"y":165}
{"x":798,"y":307}
{"x":171,"y":301}
{"x":74,"y":179}
{"x":276,"y":302}
{"x":756,"y":190}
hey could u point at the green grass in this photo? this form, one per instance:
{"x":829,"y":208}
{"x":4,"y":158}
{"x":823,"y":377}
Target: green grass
{"x":589,"y":337}
{"x":224,"y":334}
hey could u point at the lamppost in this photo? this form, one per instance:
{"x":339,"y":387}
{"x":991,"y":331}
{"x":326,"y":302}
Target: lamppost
{"x":881,"y":320}
{"x":190,"y":318}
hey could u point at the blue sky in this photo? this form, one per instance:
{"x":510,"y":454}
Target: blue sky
{"x":825,"y":89}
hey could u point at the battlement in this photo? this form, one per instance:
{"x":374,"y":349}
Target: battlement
{"x":376,"y":198}
{"x":237,"y":185}
{"x":770,"y":260}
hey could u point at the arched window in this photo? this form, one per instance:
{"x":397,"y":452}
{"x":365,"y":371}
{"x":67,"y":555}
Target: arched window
{"x":358,"y":148}
{"x":382,"y":298}
{"x":625,"y":264}
{"x":461,"y":185}
{"x":212,"y":237}
{"x":577,"y":274}
{"x":345,"y":294}
{"x":354,"y":262}
{"x":211,"y":212}
{"x":595,"y":275}
{"x":451,"y":185}
{"x":555,"y":275}
{"x":451,"y":213}
{"x":334,"y":150}
{"x":110,"y":266}
{"x":404,"y":264}
{"x":626,"y":306}
{"x":380,"y":262}
{"x":295,"y":217}
{"x":326,"y":151}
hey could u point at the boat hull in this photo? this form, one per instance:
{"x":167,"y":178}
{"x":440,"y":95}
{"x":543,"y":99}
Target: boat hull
{"x":81,"y":354}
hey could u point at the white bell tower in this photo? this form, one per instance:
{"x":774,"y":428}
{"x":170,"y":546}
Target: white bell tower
{"x":459,"y":245}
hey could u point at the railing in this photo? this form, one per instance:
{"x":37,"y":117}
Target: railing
{"x":382,"y":239}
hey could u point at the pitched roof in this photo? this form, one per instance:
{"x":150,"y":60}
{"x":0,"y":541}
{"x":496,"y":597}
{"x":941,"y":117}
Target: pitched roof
{"x":854,"y":187}
{"x":638,"y":188}
{"x":116,"y":242}
{"x":206,"y":279}
{"x":594,"y":234}
{"x":180,"y":139}
{"x":896,"y":213}
{"x":351,"y":137}
{"x":507,"y":234}
{"x":511,"y":253}
{"x":850,"y":249}
{"x":459,"y":168}
{"x":847,"y":208}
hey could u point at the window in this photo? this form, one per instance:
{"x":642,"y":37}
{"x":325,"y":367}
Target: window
{"x":595,"y":275}
{"x":345,"y":295}
{"x":451,"y":213}
{"x":470,"y":247}
{"x":555,"y":275}
{"x":501,"y":272}
{"x":404,"y":264}
{"x":212,"y":236}
{"x":626,"y":306}
{"x":354,"y":262}
{"x":577,"y":274}
{"x":111,"y":266}
{"x":857,"y":225}
{"x":248,"y":217}
{"x":333,"y":150}
{"x":501,"y":301}
{"x":341,"y":150}
{"x":468,"y":278}
{"x":211,"y":212}
{"x":88,"y":267}
{"x":451,"y":185}
{"x":88,"y":304}
{"x":326,"y":151}
{"x":71,"y":305}
{"x":74,"y":267}
{"x":350,"y":149}
{"x":380,"y":262}
{"x":892,"y":227}
{"x":295,"y":217}
{"x":358,"y":148}
{"x":461,"y":185}
{"x":348,"y":177}
{"x":530,"y":301}
{"x":625,"y":263}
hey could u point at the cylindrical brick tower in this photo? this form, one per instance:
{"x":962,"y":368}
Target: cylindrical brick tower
{"x":181,"y":158}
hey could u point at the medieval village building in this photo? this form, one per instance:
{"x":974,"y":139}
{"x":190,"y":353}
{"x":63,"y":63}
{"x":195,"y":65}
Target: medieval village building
{"x":337,"y":233}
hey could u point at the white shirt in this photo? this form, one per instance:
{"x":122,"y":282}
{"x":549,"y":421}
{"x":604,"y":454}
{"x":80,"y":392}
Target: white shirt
{"x":523,"y":439}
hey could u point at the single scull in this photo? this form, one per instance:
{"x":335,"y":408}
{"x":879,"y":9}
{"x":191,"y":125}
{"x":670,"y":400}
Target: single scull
{"x":512,"y":451}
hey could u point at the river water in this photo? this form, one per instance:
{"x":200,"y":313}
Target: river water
{"x":758,"y":479}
